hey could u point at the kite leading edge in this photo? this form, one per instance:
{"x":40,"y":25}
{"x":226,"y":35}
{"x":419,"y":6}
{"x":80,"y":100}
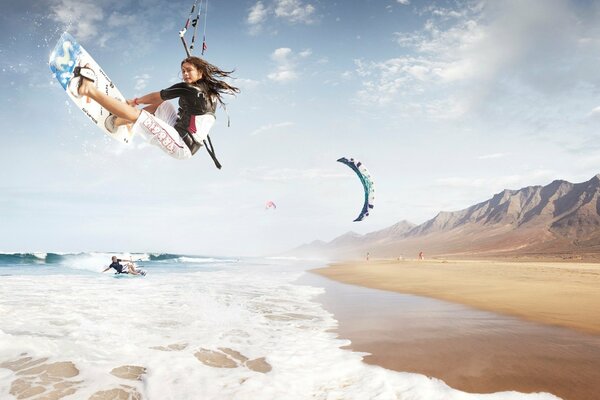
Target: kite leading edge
{"x":367,"y":182}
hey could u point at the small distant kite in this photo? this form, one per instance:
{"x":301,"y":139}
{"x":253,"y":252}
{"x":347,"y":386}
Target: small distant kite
{"x":367,"y":182}
{"x":270,"y":205}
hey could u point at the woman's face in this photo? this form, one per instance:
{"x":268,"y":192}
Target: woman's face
{"x":190,"y":73}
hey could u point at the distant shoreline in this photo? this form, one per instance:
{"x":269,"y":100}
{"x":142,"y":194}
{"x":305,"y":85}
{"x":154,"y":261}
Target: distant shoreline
{"x":554,"y":292}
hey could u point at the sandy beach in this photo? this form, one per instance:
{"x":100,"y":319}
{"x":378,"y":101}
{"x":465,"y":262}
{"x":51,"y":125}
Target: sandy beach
{"x":480,"y":326}
{"x":562,"y":294}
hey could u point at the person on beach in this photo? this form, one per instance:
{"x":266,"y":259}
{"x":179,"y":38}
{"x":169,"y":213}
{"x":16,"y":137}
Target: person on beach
{"x":179,"y":133}
{"x":128,"y":268}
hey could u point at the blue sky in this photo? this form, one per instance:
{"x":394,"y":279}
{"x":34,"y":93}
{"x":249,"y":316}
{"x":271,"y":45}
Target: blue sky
{"x":445,"y":102}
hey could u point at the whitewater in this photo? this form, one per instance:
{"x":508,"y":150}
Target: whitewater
{"x":194,"y":327}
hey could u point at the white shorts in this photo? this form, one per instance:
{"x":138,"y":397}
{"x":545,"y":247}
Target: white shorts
{"x":200,"y":125}
{"x":159,"y":133}
{"x":158,"y":129}
{"x":167,"y":112}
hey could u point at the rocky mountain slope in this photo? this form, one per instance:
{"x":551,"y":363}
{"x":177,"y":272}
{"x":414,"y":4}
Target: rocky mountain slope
{"x":560,"y":219}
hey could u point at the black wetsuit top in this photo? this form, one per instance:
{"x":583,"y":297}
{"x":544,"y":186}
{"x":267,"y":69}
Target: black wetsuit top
{"x":193,"y":100}
{"x":118,"y":267}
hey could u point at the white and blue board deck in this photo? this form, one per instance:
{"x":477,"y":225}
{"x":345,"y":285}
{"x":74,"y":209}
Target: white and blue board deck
{"x":67,"y":55}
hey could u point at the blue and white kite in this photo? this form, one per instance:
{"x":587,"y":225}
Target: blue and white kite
{"x":367,"y":182}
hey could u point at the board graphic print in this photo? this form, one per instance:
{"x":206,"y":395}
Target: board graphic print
{"x":67,"y":55}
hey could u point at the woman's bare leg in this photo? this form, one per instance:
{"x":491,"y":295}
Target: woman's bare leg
{"x":123,"y":121}
{"x":114,"y":106}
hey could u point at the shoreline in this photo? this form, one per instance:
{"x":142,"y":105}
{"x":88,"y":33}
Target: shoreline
{"x":471,"y":349}
{"x":559,"y":294}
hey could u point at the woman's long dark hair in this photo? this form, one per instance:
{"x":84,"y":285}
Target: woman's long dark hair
{"x":210,"y":73}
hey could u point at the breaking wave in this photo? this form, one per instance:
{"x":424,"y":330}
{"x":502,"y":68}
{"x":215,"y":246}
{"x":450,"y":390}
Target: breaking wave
{"x":95,"y":260}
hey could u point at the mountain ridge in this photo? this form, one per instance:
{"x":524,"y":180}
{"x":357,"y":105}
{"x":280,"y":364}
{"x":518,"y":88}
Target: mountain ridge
{"x":560,"y":219}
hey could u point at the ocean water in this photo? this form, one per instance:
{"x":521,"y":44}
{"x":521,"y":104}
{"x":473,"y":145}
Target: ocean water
{"x":194,"y":328}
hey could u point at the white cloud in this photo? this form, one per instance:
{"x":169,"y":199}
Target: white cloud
{"x":294,"y":11}
{"x":291,"y":11}
{"x":403,"y":2}
{"x":595,"y":113}
{"x":256,"y":17}
{"x":492,"y":156}
{"x":118,"y":19}
{"x":258,"y":14}
{"x":285,"y":65}
{"x":247,"y":84}
{"x":290,"y":174}
{"x":269,"y":127}
{"x":141,"y":81}
{"x":346,"y":75}
{"x":534,"y":177}
{"x":82,"y":17}
{"x":283,"y":75}
{"x":384,"y":81}
{"x":482,"y":49}
{"x":281,"y":54}
{"x":305,"y":53}
{"x":107,"y":21}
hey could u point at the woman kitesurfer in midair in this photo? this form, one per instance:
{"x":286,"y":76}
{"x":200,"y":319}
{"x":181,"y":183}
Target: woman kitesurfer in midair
{"x":179,"y":133}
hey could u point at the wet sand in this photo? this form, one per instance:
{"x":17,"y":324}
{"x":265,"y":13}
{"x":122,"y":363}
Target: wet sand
{"x":470,"y":349}
{"x":563,"y":294}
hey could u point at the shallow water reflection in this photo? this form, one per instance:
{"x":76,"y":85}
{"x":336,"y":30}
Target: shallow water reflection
{"x":471,"y":350}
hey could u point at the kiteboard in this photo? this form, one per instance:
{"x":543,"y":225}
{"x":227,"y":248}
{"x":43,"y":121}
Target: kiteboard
{"x":66,"y":56}
{"x":128,"y":275}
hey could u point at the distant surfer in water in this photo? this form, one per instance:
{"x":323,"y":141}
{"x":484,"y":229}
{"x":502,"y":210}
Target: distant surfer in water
{"x":128,"y":268}
{"x":179,"y":133}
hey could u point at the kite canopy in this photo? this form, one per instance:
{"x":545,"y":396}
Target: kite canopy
{"x":367,"y":182}
{"x":270,"y":204}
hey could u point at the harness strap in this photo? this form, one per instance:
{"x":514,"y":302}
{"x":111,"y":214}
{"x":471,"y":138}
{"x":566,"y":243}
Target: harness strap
{"x":211,"y":151}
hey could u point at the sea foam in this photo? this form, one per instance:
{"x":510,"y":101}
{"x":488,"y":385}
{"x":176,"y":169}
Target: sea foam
{"x":247,"y":331}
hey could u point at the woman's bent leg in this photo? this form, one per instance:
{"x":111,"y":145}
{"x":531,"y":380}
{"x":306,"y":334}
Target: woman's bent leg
{"x":114,"y":106}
